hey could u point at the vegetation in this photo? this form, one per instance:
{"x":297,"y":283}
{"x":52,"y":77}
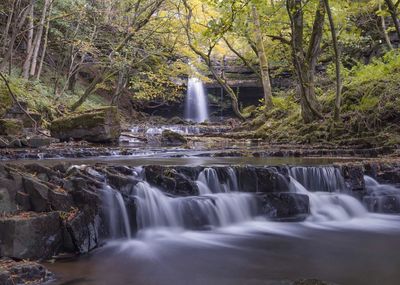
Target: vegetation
{"x":65,"y":55}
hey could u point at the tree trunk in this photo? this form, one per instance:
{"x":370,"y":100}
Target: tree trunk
{"x":383,"y":26}
{"x":30,"y":46}
{"x":393,"y":12}
{"x":263,"y":61}
{"x":46,"y":37}
{"x":8,"y":25}
{"x":337,"y":61}
{"x":38,"y":38}
{"x":305,"y":62}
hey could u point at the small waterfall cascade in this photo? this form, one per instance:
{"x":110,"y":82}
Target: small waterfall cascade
{"x":155,"y":209}
{"x":221,"y":201}
{"x":319,"y":179}
{"x":381,"y":198}
{"x":325,"y":206}
{"x":116,"y":213}
{"x":196,"y":105}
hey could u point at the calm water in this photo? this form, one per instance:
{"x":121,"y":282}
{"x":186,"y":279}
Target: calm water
{"x":358,"y":251}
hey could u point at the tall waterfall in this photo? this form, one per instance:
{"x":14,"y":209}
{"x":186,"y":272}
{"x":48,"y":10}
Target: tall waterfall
{"x":196,"y":108}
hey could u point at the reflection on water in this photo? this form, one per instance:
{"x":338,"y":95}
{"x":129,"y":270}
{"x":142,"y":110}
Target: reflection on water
{"x":358,"y":251}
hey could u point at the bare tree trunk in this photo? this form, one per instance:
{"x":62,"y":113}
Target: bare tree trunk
{"x":30,"y":27}
{"x":38,"y":38}
{"x":46,"y":37}
{"x":263,"y":61}
{"x":8,"y":25}
{"x":337,"y":61}
{"x":18,"y":23}
{"x":384,"y":30}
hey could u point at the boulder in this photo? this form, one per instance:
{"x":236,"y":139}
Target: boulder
{"x":83,"y":231}
{"x":171,"y":181}
{"x":7,"y":203}
{"x":100,"y":125}
{"x":22,"y":272}
{"x":38,"y":194}
{"x":284,"y":206}
{"x":170,"y":138}
{"x":11,"y":127}
{"x":30,"y":235}
{"x":40,"y":141}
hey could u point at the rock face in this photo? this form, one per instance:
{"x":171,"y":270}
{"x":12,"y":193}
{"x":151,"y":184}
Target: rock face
{"x":170,"y":138}
{"x":101,"y":125}
{"x":30,"y":236}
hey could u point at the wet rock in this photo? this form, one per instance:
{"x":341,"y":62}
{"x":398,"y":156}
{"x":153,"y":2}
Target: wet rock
{"x":30,"y":235}
{"x":60,"y":200}
{"x":354,"y":177}
{"x":171,"y":181}
{"x":101,"y":125}
{"x":177,"y":121}
{"x":170,"y":138}
{"x":3,"y":143}
{"x":11,"y":127}
{"x":387,"y":204}
{"x":40,"y":141}
{"x":22,"y":272}
{"x":7,"y":202}
{"x":83,"y":230}
{"x":38,"y":194}
{"x":284,"y":206}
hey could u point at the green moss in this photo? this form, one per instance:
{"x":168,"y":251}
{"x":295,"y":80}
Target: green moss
{"x":10,"y":127}
{"x":88,"y":119}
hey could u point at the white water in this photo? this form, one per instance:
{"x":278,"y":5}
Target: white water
{"x":118,"y":218}
{"x":196,"y":106}
{"x":155,"y":209}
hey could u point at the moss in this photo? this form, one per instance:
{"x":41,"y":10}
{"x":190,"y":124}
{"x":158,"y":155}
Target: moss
{"x":89,"y":119}
{"x":10,"y":127}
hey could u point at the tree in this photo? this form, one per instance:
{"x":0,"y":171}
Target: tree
{"x":337,"y":61}
{"x":305,"y":61}
{"x":392,"y":7}
{"x":263,"y":61}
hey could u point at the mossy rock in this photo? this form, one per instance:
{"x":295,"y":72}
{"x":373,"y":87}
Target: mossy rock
{"x":11,"y":127}
{"x":170,"y":138}
{"x":99,"y":125}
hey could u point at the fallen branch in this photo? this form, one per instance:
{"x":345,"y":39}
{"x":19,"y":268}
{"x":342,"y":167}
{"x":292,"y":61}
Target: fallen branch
{"x":14,"y":98}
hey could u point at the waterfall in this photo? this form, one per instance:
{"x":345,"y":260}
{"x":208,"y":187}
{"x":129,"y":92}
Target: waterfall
{"x":322,"y":179}
{"x":196,"y":108}
{"x":116,"y":213}
{"x":156,"y":209}
{"x":381,"y":198}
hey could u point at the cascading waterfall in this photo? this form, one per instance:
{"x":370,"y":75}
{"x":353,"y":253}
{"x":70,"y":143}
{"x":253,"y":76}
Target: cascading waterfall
{"x":196,"y":106}
{"x":327,"y":179}
{"x":381,"y":198}
{"x":220,"y":202}
{"x":117,"y":214}
{"x":325,"y":206}
{"x":155,"y":209}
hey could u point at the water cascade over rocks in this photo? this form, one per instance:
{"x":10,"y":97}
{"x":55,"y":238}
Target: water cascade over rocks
{"x":196,"y":108}
{"x":197,"y":198}
{"x":381,"y":198}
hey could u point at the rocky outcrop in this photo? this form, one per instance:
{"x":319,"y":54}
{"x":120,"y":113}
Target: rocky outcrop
{"x":101,"y":125}
{"x":30,"y":235}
